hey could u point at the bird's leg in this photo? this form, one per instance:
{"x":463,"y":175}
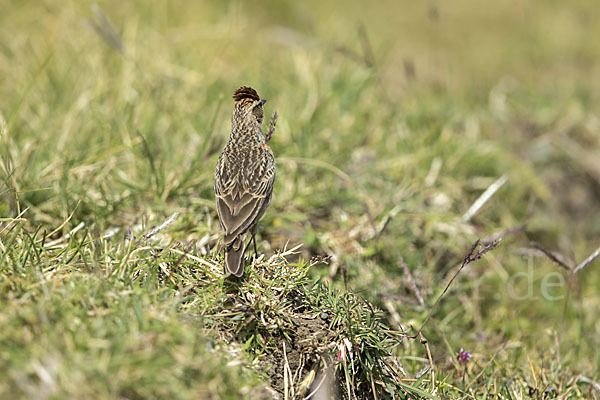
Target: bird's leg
{"x":253,"y":231}
{"x":248,"y":245}
{"x":254,"y":241}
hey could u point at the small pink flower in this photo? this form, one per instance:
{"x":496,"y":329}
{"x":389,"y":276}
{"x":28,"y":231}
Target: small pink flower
{"x":463,"y":356}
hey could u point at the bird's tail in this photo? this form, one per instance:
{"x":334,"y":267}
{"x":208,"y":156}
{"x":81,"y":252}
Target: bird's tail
{"x":234,"y":258}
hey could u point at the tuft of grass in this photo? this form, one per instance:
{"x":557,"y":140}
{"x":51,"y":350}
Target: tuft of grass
{"x":86,"y":317}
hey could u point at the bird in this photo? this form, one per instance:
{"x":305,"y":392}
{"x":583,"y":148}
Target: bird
{"x":244,"y":178}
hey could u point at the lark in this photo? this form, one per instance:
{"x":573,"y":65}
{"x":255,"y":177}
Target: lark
{"x":243,"y":178}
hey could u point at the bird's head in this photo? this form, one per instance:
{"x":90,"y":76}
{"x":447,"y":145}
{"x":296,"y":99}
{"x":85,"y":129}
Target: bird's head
{"x":248,"y":106}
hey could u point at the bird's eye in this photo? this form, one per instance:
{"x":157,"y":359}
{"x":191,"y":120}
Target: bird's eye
{"x":258,"y":111}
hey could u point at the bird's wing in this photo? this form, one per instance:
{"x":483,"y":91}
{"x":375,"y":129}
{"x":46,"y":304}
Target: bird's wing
{"x":242,"y":196}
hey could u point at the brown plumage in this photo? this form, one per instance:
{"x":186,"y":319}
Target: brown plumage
{"x":243,"y":178}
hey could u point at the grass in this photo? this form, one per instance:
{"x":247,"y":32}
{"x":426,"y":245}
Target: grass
{"x":393,"y":120}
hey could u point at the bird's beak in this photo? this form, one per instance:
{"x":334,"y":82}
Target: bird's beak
{"x":262,"y":102}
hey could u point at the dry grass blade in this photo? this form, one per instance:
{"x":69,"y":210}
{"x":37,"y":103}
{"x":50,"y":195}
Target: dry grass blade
{"x":375,"y":233}
{"x":411,"y":281}
{"x":589,"y":381}
{"x":502,"y":234}
{"x":426,"y":344}
{"x":14,"y":220}
{"x":374,"y":391}
{"x":324,"y":387}
{"x":161,"y":227}
{"x":368,"y":55}
{"x":145,"y":238}
{"x":286,"y":367}
{"x":550,"y":255}
{"x":105,"y":29}
{"x":212,"y":269}
{"x":587,"y":160}
{"x":514,"y":230}
{"x":485,"y":196}
{"x":588,"y":260}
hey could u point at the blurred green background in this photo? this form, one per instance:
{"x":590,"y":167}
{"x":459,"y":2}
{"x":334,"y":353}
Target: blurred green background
{"x":394,"y":118}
